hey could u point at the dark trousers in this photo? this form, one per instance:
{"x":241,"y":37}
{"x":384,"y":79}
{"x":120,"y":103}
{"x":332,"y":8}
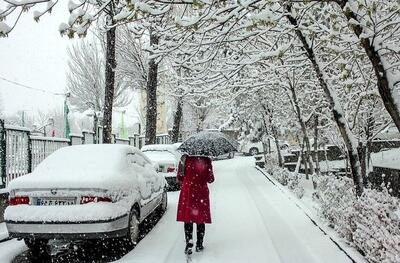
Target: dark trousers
{"x":201,"y":229}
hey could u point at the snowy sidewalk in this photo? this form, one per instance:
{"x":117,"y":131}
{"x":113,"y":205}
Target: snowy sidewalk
{"x":252,"y":222}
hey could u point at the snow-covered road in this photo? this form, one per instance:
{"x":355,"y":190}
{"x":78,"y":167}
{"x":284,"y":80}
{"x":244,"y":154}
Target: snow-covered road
{"x":253,"y":222}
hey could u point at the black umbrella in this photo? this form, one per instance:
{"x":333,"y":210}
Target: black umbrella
{"x":210,"y":143}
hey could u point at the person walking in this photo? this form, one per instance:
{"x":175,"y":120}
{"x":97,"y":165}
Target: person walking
{"x":194,"y":173}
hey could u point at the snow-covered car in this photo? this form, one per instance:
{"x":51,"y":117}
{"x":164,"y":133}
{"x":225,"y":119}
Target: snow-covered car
{"x":166,"y":158}
{"x":85,"y":192}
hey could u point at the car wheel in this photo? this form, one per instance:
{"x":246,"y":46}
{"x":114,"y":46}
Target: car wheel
{"x":178,"y":186}
{"x":253,"y":151}
{"x":231,"y":155}
{"x":133,"y":234}
{"x":37,"y":245}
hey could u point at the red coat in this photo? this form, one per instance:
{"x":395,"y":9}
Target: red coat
{"x":194,"y":201}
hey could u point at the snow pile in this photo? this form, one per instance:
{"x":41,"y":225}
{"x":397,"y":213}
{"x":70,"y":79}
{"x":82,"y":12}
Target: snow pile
{"x":159,"y":147}
{"x":370,"y":223}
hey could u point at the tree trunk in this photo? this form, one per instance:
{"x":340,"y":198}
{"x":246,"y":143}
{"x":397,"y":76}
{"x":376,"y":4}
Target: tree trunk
{"x":385,"y":91}
{"x":306,"y":141}
{"x":316,"y":156}
{"x":300,"y":158}
{"x":269,"y":113}
{"x":151,"y":89}
{"x":177,"y":121}
{"x":269,"y":146}
{"x":362,"y":154}
{"x":264,"y":154}
{"x":368,"y":133}
{"x":335,"y":105}
{"x":278,"y":150}
{"x":109,"y":87}
{"x":200,"y":121}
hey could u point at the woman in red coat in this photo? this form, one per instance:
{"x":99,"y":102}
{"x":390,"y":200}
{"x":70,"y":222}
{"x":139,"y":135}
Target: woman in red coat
{"x":194,"y":173}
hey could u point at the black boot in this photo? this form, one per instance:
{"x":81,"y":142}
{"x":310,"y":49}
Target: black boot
{"x":199,"y":247}
{"x":201,"y":228}
{"x":189,"y":247}
{"x":189,"y":238}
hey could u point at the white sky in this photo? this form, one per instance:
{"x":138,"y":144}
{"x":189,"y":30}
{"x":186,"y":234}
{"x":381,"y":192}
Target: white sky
{"x":35,"y":54}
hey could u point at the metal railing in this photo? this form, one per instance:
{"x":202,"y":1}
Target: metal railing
{"x":21,"y":152}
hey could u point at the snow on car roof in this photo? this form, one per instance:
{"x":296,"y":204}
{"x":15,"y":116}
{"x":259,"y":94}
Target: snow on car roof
{"x":161,"y":157}
{"x":159,"y":147}
{"x":97,"y":165}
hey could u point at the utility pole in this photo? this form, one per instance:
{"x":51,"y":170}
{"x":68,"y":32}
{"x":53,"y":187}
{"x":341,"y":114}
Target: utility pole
{"x":67,"y":129}
{"x":23,"y":118}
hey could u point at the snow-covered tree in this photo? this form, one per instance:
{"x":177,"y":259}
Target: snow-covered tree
{"x":86,"y":80}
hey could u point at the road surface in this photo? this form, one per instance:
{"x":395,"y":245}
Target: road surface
{"x":253,"y":221}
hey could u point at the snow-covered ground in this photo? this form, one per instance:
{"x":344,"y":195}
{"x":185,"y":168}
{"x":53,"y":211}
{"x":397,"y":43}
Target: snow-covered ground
{"x":3,"y":231}
{"x":10,"y":249}
{"x":253,"y":221}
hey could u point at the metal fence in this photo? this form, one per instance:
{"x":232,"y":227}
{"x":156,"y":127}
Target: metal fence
{"x":41,"y":147}
{"x":16,"y":153}
{"x":21,"y":152}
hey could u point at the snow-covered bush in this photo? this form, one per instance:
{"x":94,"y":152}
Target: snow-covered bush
{"x":286,"y":178}
{"x":371,"y":222}
{"x":271,"y":163}
{"x":294,"y":185}
{"x":281,"y":175}
{"x":377,"y":231}
{"x":336,"y":199}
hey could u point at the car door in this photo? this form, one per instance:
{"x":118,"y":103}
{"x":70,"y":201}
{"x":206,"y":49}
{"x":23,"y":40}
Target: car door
{"x":136,"y":164}
{"x":147,"y":183}
{"x":156,"y":180}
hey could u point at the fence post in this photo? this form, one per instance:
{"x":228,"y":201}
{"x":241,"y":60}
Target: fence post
{"x":3,"y":154}
{"x":29,"y":153}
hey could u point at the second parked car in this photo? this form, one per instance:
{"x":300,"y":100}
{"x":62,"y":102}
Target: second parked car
{"x":166,"y":158}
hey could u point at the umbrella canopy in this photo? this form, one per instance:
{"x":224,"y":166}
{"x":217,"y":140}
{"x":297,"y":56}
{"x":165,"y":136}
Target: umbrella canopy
{"x":208,"y":143}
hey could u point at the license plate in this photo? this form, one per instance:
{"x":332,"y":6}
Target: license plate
{"x":55,"y":201}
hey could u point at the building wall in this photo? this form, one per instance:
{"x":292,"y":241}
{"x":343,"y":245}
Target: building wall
{"x":161,"y":111}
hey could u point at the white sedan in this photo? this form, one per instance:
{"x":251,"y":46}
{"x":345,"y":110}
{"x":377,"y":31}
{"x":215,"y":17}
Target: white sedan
{"x":85,"y":192}
{"x":166,"y":157}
